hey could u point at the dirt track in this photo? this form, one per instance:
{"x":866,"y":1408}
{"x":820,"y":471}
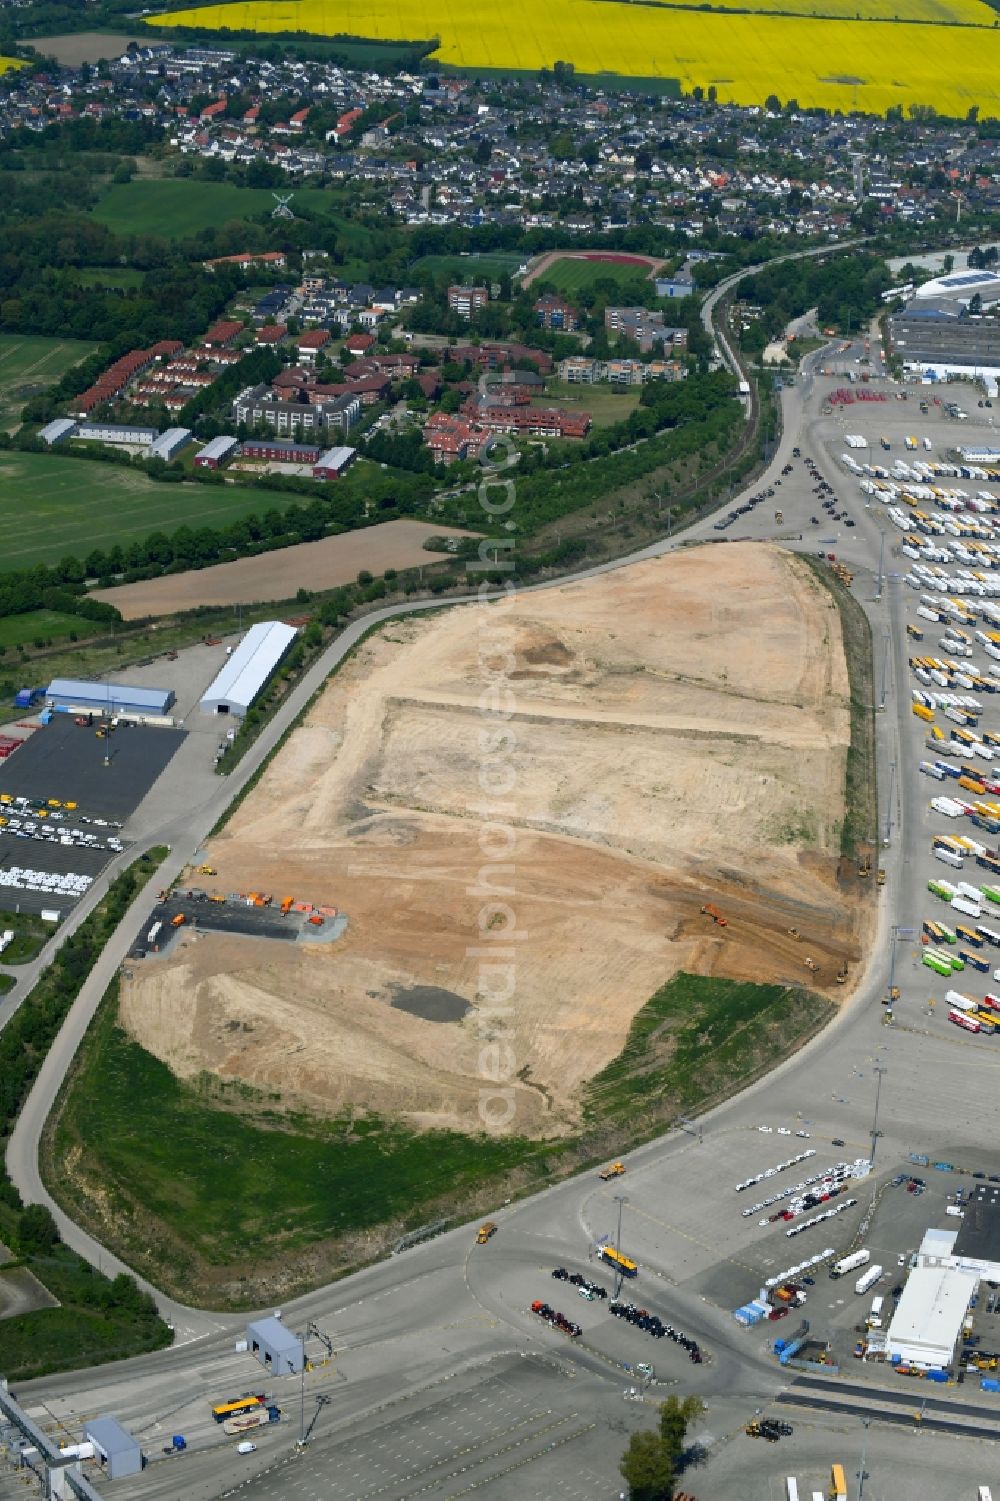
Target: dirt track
{"x":278,"y":575}
{"x":678,"y":734}
{"x":651,"y":263}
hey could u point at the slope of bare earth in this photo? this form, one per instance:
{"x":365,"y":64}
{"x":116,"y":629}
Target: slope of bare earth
{"x":677,"y":734}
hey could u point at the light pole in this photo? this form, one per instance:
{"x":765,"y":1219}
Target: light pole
{"x":881,"y":571}
{"x":862,"y":1476}
{"x":888,"y":806}
{"x":879,"y":1071}
{"x":619,"y":1275}
{"x":885,"y":673}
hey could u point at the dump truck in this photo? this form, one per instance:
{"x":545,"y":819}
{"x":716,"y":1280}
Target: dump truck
{"x":708,"y":910}
{"x":880,"y":878}
{"x":178,"y":921}
{"x":485,"y":1231}
{"x":615,"y":1170}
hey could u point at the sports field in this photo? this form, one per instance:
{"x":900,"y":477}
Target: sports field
{"x":52,"y":508}
{"x":29,"y":364}
{"x":176,"y":208}
{"x":491,"y":263}
{"x":832,"y":63}
{"x":569,"y":275}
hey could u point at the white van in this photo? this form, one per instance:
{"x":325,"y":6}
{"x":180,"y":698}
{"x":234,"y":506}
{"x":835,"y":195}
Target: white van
{"x":246,"y":1447}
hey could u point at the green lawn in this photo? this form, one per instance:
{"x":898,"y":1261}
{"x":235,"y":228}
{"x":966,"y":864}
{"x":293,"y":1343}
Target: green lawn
{"x":30,"y":933}
{"x":492,"y":263}
{"x":606,"y":404}
{"x":568,"y":275}
{"x":29,"y":364}
{"x":55,"y":507}
{"x":115,"y":277}
{"x":45,"y":625}
{"x":177,"y":208}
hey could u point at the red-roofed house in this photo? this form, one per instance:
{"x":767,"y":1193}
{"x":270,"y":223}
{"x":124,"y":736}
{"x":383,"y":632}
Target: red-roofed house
{"x":358,"y":344}
{"x":309,"y":344}
{"x":272,"y":333}
{"x":213,"y":111}
{"x":222,"y":334}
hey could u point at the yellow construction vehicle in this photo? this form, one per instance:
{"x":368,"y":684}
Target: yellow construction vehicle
{"x":794,"y":933}
{"x":484,"y":1232}
{"x":810,"y":964}
{"x":880,"y":878}
{"x":842,"y":975}
{"x":207,"y":870}
{"x":864,"y":865}
{"x":615,"y":1170}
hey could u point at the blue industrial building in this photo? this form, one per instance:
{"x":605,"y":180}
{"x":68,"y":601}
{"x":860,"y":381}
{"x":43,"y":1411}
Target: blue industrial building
{"x":107,"y":698}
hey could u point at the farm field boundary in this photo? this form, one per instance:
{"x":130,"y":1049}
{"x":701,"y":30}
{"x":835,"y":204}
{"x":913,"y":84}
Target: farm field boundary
{"x":53,"y":507}
{"x":789,"y":56}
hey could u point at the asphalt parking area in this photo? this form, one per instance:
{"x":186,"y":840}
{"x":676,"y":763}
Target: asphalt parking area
{"x":66,"y":761}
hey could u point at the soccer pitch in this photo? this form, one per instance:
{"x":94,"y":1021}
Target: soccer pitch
{"x":52,"y":508}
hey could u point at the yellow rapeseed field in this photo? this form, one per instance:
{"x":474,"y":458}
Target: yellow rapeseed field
{"x":840,"y":64}
{"x":6,"y":63}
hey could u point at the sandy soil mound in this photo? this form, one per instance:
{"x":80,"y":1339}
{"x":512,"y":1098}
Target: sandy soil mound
{"x":676,"y":733}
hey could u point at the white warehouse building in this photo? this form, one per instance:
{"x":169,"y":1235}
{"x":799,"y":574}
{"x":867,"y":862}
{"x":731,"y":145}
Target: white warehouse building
{"x":929,"y":1317}
{"x":248,"y":669}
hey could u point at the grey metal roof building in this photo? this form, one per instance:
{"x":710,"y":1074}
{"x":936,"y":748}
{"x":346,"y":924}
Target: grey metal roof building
{"x":276,"y":1347}
{"x":108,"y":698}
{"x":114,"y":1446}
{"x":248,"y":669}
{"x":942,"y":333}
{"x":57,"y":431}
{"x":170,"y":443}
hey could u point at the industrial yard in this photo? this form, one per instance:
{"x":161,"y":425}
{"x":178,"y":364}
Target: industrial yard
{"x":626,"y":693}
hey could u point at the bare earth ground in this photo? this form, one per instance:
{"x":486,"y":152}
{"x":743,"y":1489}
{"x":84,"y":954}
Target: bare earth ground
{"x":679,"y":734}
{"x":76,"y":47}
{"x":278,"y":575}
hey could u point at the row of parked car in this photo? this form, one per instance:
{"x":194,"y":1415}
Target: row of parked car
{"x":29,"y":828}
{"x":652,"y":1324}
{"x":588,"y":1290}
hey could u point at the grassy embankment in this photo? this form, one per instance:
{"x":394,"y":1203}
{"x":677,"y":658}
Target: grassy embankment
{"x":860,"y":829}
{"x":97,"y":1319}
{"x":220,"y":1195}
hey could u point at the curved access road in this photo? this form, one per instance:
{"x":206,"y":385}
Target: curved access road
{"x":185,"y":835}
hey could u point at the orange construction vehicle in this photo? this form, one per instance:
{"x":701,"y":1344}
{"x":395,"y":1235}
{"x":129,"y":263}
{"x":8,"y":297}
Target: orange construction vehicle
{"x":713,"y":912}
{"x":615,"y":1170}
{"x":178,"y":921}
{"x":286,"y":905}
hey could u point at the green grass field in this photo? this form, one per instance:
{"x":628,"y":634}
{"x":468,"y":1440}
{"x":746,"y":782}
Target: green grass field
{"x":606,"y":404}
{"x":122,"y":278}
{"x":29,"y":364}
{"x":492,"y":263}
{"x":45,"y":625}
{"x":568,"y":275}
{"x":176,"y":208}
{"x":52,"y":508}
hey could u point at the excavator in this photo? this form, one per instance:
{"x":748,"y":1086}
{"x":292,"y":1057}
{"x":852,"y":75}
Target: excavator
{"x":864,"y":865}
{"x":713,"y":912}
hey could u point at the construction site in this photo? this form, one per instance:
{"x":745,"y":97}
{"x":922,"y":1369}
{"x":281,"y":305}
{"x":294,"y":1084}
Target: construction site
{"x":677,"y":747}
